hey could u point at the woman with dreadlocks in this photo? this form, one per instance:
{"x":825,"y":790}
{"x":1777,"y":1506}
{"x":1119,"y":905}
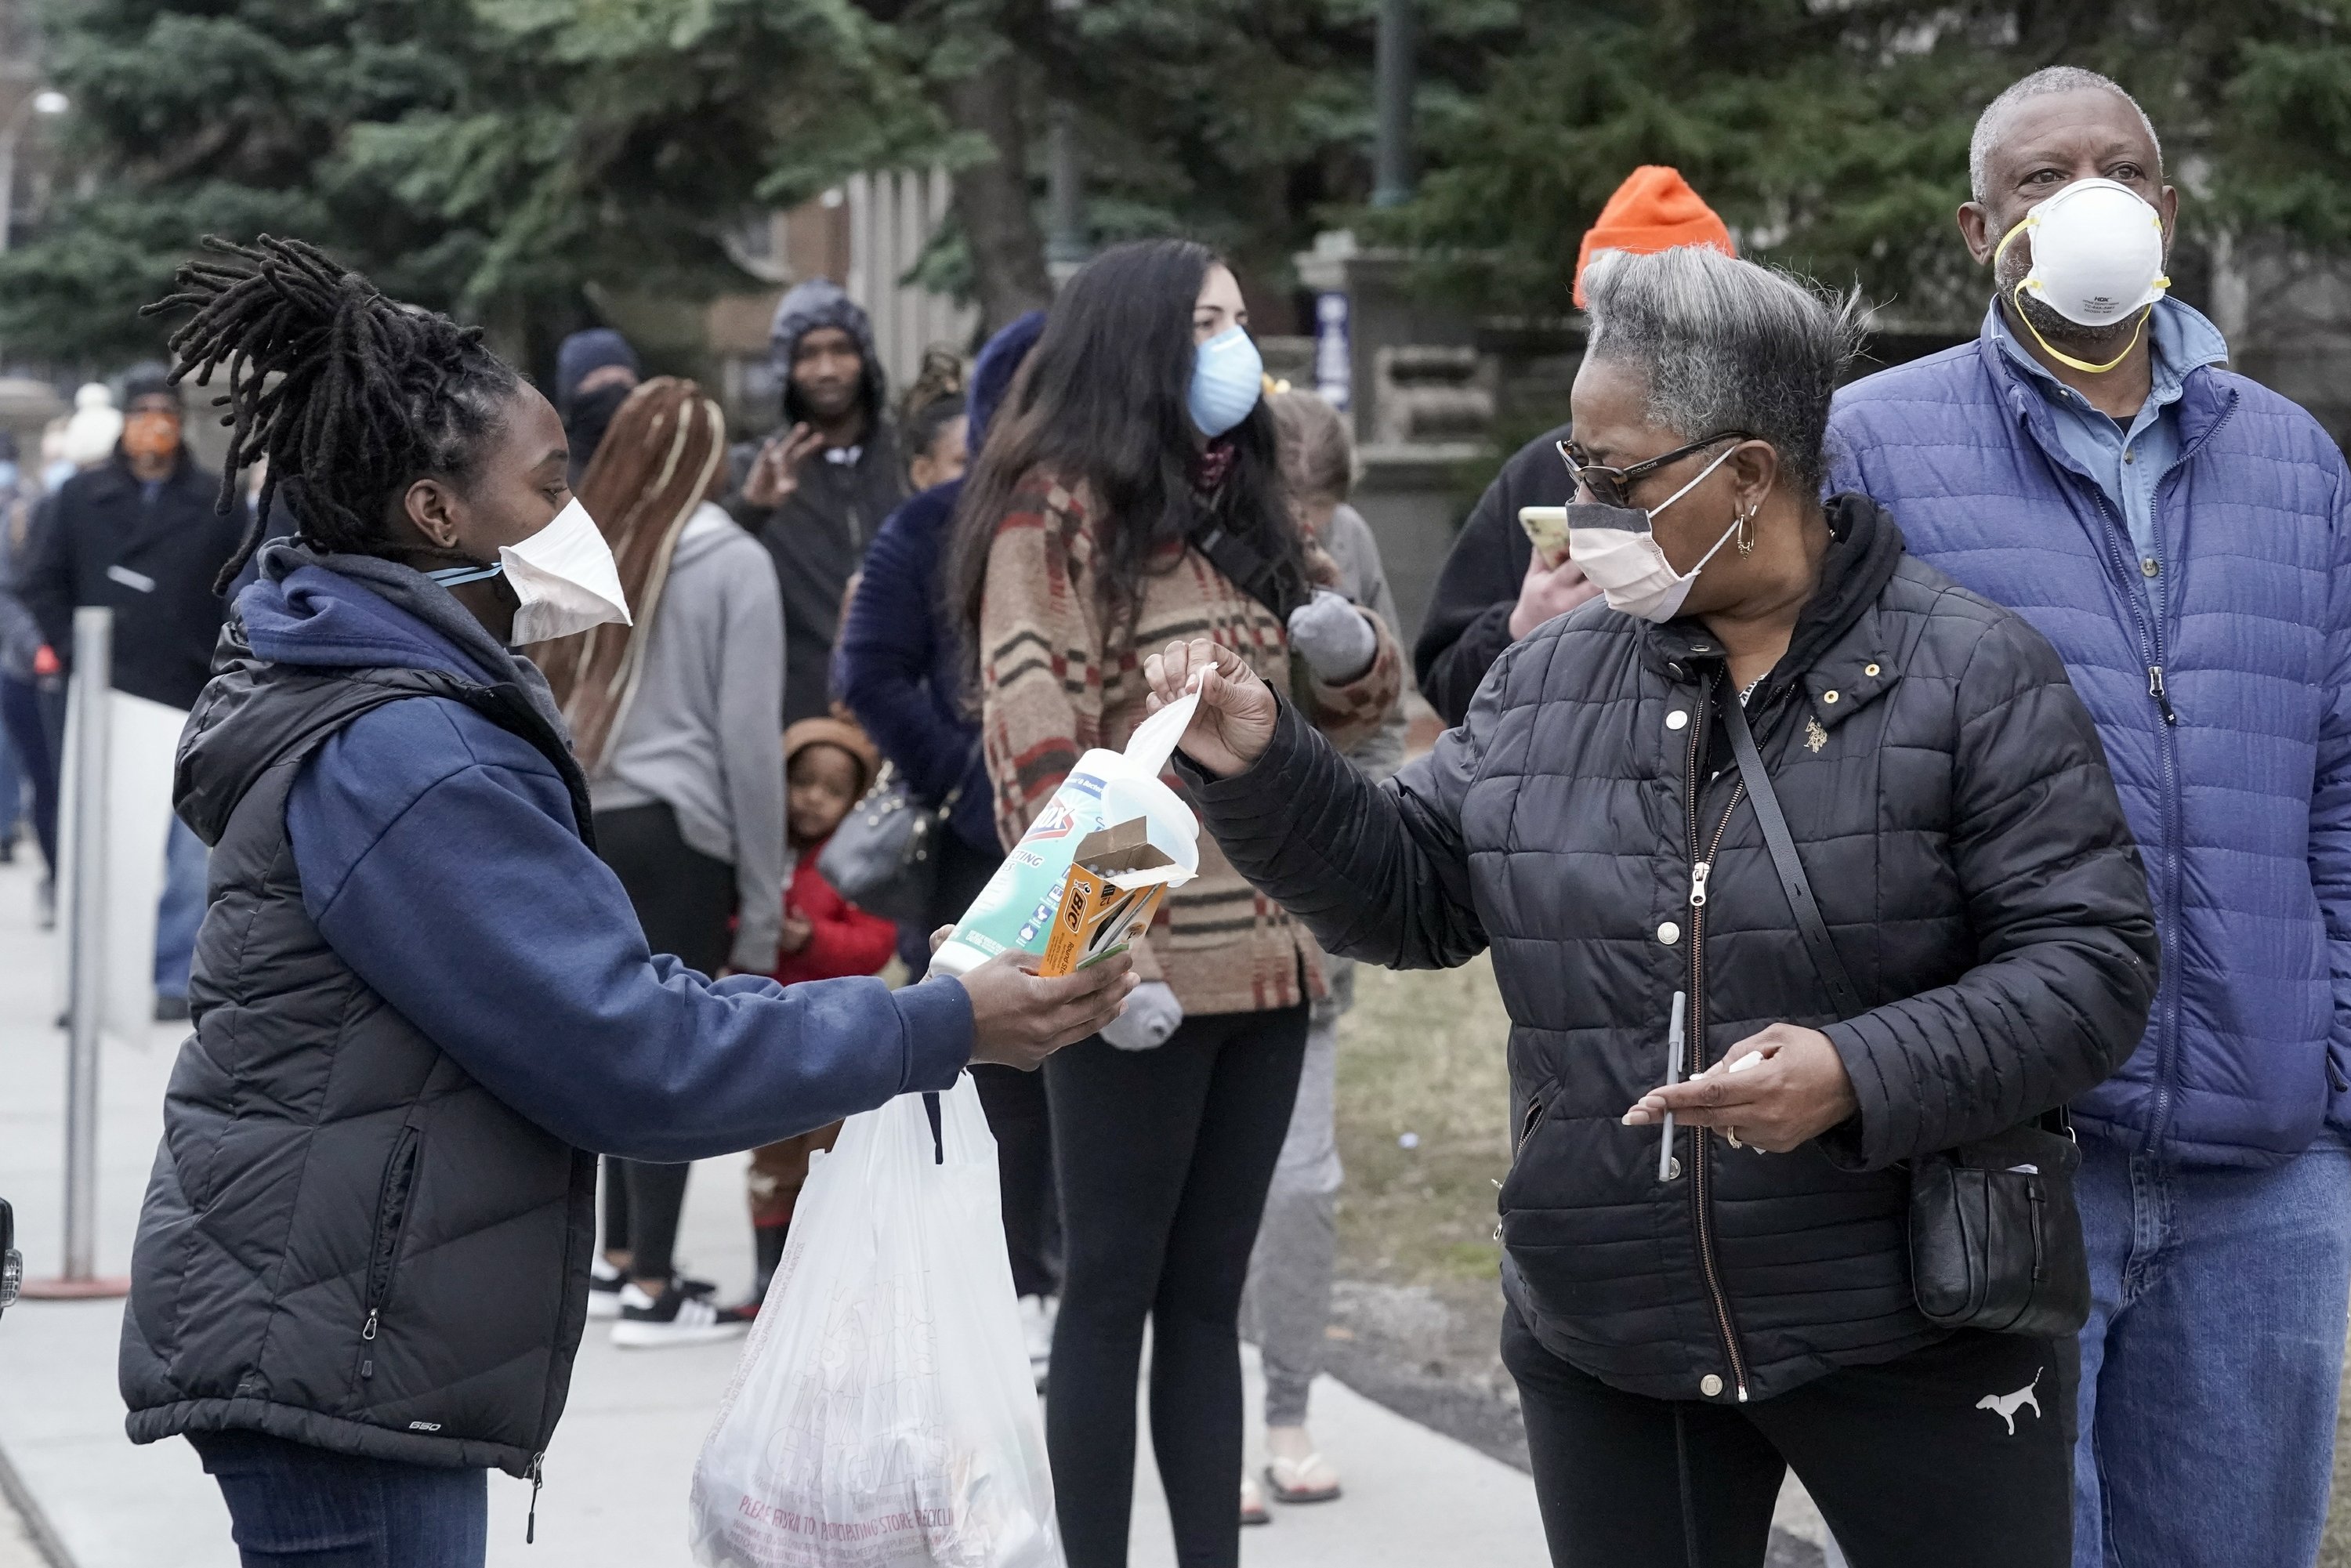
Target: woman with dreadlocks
{"x":422,"y":1002}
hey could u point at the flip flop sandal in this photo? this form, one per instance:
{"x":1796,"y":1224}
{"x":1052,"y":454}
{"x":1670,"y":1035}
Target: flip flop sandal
{"x":1310,"y":1480}
{"x":1253,"y":1508}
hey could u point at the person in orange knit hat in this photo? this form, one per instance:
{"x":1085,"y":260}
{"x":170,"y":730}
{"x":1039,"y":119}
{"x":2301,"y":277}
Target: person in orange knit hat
{"x":1494,"y":589}
{"x":1655,"y":209}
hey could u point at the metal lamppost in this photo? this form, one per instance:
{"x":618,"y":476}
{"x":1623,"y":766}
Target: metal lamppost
{"x":47,"y":100}
{"x":89,"y":735}
{"x":1065,"y":184}
{"x":1392,"y":75}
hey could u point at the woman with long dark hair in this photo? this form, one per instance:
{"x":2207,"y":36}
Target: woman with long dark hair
{"x":1130,"y":494}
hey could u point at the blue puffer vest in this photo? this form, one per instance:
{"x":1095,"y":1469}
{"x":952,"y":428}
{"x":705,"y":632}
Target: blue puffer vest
{"x":2226,"y":726}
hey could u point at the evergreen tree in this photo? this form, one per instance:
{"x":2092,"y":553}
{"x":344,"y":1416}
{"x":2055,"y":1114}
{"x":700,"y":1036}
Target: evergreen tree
{"x":487,"y":157}
{"x":1833,"y":137}
{"x":224,"y":118}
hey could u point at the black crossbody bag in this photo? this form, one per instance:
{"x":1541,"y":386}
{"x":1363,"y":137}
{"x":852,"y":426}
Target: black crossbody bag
{"x":1995,"y":1240}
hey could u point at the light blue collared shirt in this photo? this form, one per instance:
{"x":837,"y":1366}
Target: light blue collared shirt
{"x":2128,"y":462}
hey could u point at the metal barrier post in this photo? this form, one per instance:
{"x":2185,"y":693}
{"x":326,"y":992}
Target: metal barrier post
{"x":85,"y":855}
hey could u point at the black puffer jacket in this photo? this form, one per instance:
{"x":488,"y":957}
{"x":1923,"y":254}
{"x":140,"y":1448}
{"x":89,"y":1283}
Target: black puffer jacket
{"x":1948,"y":797}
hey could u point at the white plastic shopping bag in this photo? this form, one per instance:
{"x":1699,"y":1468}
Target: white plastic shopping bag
{"x":883,"y":1414}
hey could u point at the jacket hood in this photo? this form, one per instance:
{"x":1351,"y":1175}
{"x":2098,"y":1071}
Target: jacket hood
{"x":821,"y":302}
{"x":316,"y":620}
{"x":992,"y":373}
{"x":320,"y":616}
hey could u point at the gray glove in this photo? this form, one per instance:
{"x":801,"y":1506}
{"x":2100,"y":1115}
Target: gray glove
{"x":1337,"y":643}
{"x":1150,"y":1016}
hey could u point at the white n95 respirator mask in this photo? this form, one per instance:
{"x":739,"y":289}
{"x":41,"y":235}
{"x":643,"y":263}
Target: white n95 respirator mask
{"x":563,"y":575}
{"x":2097,"y":256}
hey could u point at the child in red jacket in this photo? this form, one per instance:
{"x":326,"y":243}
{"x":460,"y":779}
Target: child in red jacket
{"x":827,"y":765}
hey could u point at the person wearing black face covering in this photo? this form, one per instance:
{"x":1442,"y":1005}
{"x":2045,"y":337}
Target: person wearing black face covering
{"x":595,"y":371}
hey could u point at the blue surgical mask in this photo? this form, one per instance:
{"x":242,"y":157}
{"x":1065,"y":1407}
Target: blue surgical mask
{"x":1227,"y":377}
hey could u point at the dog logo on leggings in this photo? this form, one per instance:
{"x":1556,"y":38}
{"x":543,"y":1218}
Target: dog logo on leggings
{"x":2006,"y":1405}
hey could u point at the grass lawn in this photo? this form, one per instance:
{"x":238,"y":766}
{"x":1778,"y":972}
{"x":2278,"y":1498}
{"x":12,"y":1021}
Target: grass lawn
{"x":1424,"y":1127}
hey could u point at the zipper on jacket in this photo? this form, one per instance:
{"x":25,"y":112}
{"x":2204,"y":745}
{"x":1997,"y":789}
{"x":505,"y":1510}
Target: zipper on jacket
{"x":391,"y":1222}
{"x":1536,"y":1107}
{"x":1701,"y":863}
{"x":530,"y":1525}
{"x":2150,"y":638}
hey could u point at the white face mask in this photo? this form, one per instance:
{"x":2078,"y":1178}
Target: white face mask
{"x":2097,"y":256}
{"x":563,"y":575}
{"x":1616,"y":550}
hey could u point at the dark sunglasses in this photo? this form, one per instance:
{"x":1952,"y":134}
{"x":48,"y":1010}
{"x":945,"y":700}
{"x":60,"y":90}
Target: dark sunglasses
{"x":1611,"y":486}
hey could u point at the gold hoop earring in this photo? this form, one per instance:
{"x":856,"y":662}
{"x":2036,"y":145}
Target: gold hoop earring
{"x":1747,"y":531}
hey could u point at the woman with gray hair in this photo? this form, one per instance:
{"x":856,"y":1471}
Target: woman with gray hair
{"x":1710,"y":1280}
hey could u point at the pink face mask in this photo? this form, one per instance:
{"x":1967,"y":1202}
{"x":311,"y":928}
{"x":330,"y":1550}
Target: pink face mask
{"x":1617,"y":549}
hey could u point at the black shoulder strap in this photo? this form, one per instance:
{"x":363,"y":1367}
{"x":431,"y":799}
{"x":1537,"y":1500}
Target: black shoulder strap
{"x":1275,"y":584}
{"x":1799,"y":887}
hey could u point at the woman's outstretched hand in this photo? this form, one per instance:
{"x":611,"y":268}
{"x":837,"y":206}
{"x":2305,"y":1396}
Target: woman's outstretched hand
{"x":1235,"y":721}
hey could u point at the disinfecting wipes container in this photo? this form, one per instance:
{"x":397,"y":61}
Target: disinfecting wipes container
{"x":1015,"y":910}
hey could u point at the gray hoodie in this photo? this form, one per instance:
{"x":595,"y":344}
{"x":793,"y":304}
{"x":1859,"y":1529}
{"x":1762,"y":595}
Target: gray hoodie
{"x":699,"y":734}
{"x":1365,"y":579}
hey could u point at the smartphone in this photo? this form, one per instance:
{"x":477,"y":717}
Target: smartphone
{"x":12,"y":1265}
{"x":1547,"y":528}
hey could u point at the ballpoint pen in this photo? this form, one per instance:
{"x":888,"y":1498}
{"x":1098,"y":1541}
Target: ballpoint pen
{"x":1673,"y":1076}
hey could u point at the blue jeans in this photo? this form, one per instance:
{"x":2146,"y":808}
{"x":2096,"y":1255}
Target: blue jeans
{"x":2211,"y":1358}
{"x":180,"y":910}
{"x":293,"y":1506}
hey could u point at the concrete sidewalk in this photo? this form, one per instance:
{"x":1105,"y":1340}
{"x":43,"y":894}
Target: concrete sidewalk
{"x":617,"y":1471}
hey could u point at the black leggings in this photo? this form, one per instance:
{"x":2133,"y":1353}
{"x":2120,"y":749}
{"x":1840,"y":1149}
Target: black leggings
{"x":1165,"y":1156}
{"x":1018,"y":1116}
{"x":683,"y":899}
{"x":1912,"y":1461}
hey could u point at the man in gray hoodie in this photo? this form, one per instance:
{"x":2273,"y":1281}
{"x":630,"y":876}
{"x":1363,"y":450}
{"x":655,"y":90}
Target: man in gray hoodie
{"x":820,"y":487}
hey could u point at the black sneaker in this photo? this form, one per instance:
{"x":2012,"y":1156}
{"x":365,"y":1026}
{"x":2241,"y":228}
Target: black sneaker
{"x":609,"y":1289}
{"x":675,"y":1318}
{"x":604,"y":1283}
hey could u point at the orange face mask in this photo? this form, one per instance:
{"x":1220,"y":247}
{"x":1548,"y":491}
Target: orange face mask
{"x":152,"y":435}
